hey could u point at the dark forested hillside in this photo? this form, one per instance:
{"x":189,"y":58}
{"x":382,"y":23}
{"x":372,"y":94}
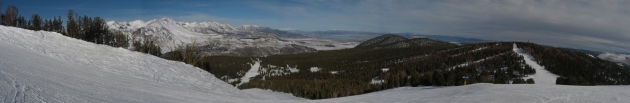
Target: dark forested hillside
{"x":338,"y":73}
{"x":577,"y":68}
{"x":396,"y":41}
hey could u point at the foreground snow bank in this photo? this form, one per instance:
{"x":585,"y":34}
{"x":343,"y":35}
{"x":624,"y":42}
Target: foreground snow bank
{"x":39,"y":66}
{"x":270,"y":95}
{"x":495,"y":93}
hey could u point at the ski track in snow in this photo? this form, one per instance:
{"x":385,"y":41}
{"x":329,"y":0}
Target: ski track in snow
{"x":252,"y":72}
{"x":542,"y":76}
{"x":38,"y":66}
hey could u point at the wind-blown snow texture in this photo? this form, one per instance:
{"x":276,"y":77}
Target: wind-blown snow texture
{"x":40,"y":66}
{"x":542,"y":76}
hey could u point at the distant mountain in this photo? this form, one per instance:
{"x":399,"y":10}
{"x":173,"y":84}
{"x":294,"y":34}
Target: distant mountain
{"x":396,"y":41}
{"x":362,"y":35}
{"x":450,"y":39}
{"x":214,"y":38}
{"x":339,"y":34}
{"x":622,"y":59}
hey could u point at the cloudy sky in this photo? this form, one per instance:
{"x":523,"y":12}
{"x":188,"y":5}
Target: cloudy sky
{"x":602,"y":25}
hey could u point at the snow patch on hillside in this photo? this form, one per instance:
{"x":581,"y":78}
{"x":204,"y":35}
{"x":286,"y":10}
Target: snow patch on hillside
{"x":542,"y":76}
{"x":315,"y":69}
{"x":619,"y":58}
{"x":271,"y":95}
{"x":293,"y":69}
{"x":473,"y":62}
{"x":377,"y":80}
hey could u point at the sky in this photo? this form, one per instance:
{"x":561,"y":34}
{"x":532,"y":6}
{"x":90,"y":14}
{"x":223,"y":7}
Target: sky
{"x":602,"y":25}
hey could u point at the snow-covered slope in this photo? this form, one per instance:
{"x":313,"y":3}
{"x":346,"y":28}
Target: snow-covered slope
{"x":209,"y":27}
{"x":542,"y":76}
{"x":168,"y":34}
{"x":38,"y":66}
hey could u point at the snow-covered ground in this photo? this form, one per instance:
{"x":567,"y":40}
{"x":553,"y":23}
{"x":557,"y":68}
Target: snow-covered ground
{"x":40,"y":66}
{"x":315,"y":69}
{"x":270,"y":95}
{"x":542,"y":76}
{"x":495,"y":93}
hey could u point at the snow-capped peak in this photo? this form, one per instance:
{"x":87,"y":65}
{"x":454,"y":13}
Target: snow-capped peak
{"x":209,"y":27}
{"x":249,"y":26}
{"x":164,"y":20}
{"x":126,"y":25}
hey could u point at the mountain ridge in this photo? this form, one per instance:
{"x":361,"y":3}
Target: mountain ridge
{"x":215,"y":38}
{"x":397,"y":41}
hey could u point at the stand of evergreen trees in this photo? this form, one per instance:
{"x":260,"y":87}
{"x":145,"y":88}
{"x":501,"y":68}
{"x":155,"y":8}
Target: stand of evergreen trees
{"x":90,"y":29}
{"x":439,"y":65}
{"x":356,"y":68}
{"x":86,"y":28}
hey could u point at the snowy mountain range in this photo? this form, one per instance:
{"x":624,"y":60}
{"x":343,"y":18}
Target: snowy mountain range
{"x":39,"y":66}
{"x":222,"y":39}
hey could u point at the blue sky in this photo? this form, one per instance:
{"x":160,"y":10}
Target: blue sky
{"x":602,"y":25}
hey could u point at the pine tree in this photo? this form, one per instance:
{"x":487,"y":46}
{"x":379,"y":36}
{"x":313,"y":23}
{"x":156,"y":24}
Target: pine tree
{"x":36,"y":22}
{"x":121,"y":40}
{"x":72,"y":29}
{"x":21,"y":22}
{"x":10,"y":16}
{"x":58,"y":25}
{"x":1,"y":15}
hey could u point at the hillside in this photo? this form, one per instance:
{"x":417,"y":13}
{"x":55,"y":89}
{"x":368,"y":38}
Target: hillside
{"x":396,"y":41}
{"x":338,"y":73}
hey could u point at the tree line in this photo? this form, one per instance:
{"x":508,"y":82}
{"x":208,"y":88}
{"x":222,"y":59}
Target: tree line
{"x":90,"y":29}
